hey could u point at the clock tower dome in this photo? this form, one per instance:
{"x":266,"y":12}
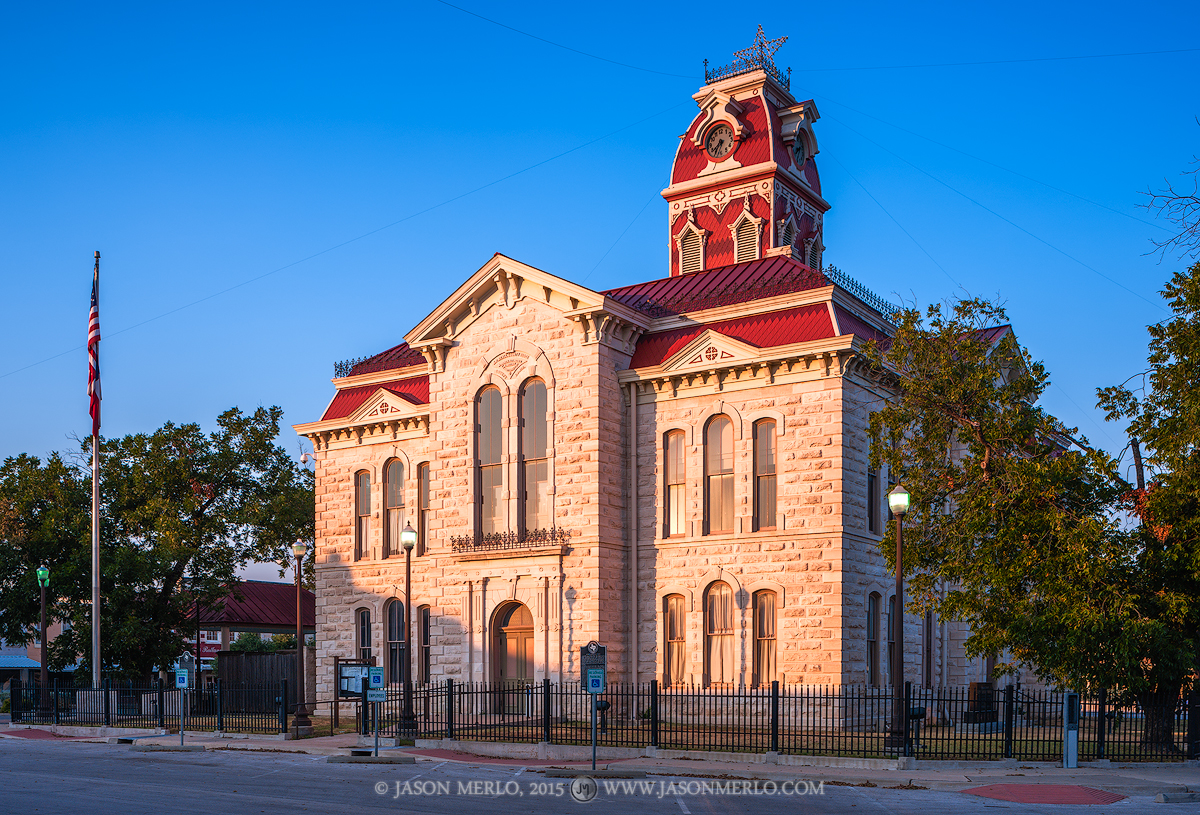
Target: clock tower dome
{"x":744,"y":184}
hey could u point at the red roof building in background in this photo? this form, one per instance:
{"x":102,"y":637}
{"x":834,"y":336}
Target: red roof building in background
{"x":677,"y":468}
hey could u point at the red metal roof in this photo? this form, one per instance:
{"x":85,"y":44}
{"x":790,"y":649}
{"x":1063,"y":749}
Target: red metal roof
{"x":400,"y":356}
{"x":262,"y":604}
{"x":774,"y":328}
{"x":849,"y":323}
{"x":723,"y":286}
{"x":414,"y":389}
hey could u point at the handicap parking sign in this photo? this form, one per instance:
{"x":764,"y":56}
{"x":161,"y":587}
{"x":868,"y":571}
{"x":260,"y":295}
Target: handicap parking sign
{"x":181,"y":678}
{"x":375,"y":675}
{"x":595,"y":680}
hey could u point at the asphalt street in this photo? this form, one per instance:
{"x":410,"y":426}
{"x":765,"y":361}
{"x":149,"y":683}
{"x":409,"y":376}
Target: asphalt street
{"x":100,"y":779}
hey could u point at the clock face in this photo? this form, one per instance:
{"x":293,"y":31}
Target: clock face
{"x":719,"y":141}
{"x":800,"y":150}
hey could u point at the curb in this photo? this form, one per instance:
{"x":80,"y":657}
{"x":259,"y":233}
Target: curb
{"x":371,"y":760}
{"x":1177,"y":798}
{"x":556,"y":772}
{"x":167,"y":748}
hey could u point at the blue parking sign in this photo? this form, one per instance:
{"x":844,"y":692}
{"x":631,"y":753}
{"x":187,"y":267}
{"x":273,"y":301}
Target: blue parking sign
{"x":595,"y":680}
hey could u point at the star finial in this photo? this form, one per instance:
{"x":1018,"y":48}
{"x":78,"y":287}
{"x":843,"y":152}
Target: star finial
{"x":763,"y":49}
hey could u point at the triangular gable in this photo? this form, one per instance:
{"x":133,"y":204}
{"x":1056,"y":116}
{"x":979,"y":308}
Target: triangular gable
{"x":383,"y":404}
{"x":709,"y":349}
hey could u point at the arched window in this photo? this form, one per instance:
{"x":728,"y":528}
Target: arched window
{"x":363,"y":618}
{"x":718,"y":634}
{"x":873,"y":676}
{"x":789,"y":234}
{"x":927,"y":654}
{"x":674,"y":521}
{"x":397,"y":662}
{"x":718,"y":476}
{"x":422,"y":506}
{"x":764,"y":637}
{"x":674,"y":626}
{"x":362,"y":514}
{"x":691,"y":251}
{"x":535,"y":464}
{"x":393,"y":499}
{"x":490,"y":470}
{"x":892,"y":622}
{"x":764,"y":474}
{"x":424,"y":642}
{"x":746,"y":238}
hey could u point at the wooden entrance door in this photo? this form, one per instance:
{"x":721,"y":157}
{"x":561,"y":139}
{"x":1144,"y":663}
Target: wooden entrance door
{"x":513,"y":657}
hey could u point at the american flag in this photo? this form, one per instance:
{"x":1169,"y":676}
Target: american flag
{"x":93,"y":346}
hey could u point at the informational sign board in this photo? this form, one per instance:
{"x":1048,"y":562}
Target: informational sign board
{"x":593,"y":662}
{"x":352,"y":679}
{"x":181,"y":678}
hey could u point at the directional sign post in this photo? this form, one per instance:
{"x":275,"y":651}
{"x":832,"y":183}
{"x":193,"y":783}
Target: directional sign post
{"x":375,"y":695}
{"x":592,"y":671}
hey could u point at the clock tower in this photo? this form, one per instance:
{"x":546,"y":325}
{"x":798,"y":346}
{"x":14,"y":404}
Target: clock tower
{"x":744,"y":184}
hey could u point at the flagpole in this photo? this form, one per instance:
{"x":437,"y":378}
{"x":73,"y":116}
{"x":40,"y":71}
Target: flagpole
{"x":96,"y":507}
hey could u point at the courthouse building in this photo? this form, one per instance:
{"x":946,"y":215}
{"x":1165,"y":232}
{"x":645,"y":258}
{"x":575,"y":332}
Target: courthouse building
{"x":676,"y":468}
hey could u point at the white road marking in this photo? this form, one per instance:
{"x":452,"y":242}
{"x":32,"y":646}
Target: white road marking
{"x":518,"y":772}
{"x":431,"y":769}
{"x":682,"y":805}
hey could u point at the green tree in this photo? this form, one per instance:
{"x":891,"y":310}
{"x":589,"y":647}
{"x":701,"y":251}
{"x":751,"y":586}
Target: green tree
{"x":1015,"y":525}
{"x":182,"y":511}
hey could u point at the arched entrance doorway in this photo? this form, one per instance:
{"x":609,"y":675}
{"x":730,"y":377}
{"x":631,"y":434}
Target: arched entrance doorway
{"x":512,"y":655}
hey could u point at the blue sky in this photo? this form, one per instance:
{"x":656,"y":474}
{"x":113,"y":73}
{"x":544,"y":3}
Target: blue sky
{"x":206,"y":147}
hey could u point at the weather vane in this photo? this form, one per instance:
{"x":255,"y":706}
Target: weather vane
{"x":761,"y":52}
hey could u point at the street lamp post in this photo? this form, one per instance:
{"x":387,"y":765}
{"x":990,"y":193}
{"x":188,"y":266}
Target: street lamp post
{"x":300,"y":718}
{"x":43,"y":576}
{"x":898,"y":503}
{"x":408,"y":719}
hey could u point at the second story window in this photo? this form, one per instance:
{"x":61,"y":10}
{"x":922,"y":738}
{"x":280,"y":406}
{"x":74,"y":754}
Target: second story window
{"x":362,"y":514}
{"x":674,"y":516}
{"x":422,"y":506}
{"x":872,"y":500}
{"x":718,"y":476}
{"x":490,"y":469}
{"x":535,"y":464}
{"x":393,"y":492}
{"x":764,"y":474}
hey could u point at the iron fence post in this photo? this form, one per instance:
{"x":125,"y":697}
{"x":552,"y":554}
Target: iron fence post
{"x":546,"y":710}
{"x":283,"y":706}
{"x":654,"y":713}
{"x":1008,"y":721}
{"x":162,"y":723}
{"x":449,"y":708}
{"x":16,"y":699}
{"x":775,"y":716}
{"x":220,"y":708}
{"x":908,"y":719}
{"x":54,"y":693}
{"x":107,"y":711}
{"x":1102,"y":724}
{"x":1193,"y":721}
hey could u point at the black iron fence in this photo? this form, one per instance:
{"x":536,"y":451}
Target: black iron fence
{"x":942,"y":723}
{"x":227,"y":707}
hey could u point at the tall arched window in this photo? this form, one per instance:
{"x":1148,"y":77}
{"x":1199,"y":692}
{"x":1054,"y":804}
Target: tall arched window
{"x":892,"y":622}
{"x":535,"y":464}
{"x":873,"y":677}
{"x":718,"y":634}
{"x":362,"y":514}
{"x":363,"y":620}
{"x":691,"y":252}
{"x":422,"y":506}
{"x":764,"y":474}
{"x":764,"y":637}
{"x":490,"y":470}
{"x":746,"y":238}
{"x":393,"y":499}
{"x":674,"y":626}
{"x":674,"y":518}
{"x":424,"y":643}
{"x":718,"y":476}
{"x":397,"y":664}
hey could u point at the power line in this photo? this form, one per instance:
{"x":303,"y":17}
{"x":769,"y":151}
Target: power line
{"x":248,"y":281}
{"x":896,"y":222}
{"x":618,"y":240}
{"x":564,"y":47}
{"x":996,"y":61}
{"x":1001,"y":217}
{"x":993,"y":164}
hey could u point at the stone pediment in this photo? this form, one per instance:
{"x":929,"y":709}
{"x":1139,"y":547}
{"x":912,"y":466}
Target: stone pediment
{"x":384,"y":406}
{"x":710,"y":350}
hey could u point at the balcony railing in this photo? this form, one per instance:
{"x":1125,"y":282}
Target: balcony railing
{"x":499,"y":541}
